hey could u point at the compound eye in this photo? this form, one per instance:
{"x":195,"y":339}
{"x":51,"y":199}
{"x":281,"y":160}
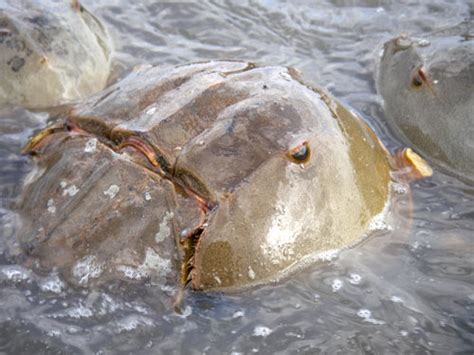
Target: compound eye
{"x":416,"y":82}
{"x":300,"y":154}
{"x":418,"y":78}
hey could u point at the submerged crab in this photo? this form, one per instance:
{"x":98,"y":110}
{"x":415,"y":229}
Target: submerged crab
{"x":219,"y":174}
{"x":428,"y":91}
{"x":51,"y":52}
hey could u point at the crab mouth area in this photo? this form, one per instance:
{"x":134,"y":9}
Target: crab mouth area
{"x":185,"y":183}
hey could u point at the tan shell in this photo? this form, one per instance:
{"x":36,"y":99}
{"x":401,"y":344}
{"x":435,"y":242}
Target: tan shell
{"x":247,"y":169}
{"x":51,"y":52}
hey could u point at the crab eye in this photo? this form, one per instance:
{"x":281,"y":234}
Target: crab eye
{"x":416,"y":81}
{"x":418,"y":78}
{"x":301,"y":153}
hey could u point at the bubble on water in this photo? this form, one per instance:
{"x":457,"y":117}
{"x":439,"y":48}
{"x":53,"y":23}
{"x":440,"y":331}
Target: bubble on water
{"x":54,"y":333}
{"x":112,"y":191}
{"x":366,"y":315}
{"x":336,"y":285}
{"x":52,"y":284}
{"x":261,"y":331}
{"x":91,"y":145}
{"x":403,"y":333}
{"x":79,"y":312}
{"x":15,"y":273}
{"x":51,"y":206}
{"x":329,"y":255}
{"x":132,"y":322}
{"x":355,"y":279}
{"x":186,"y":312}
{"x":87,"y":268}
{"x":73,"y":330}
{"x":71,"y":190}
{"x":423,"y":42}
{"x":396,"y":299}
{"x":238,"y":314}
{"x":399,"y":188}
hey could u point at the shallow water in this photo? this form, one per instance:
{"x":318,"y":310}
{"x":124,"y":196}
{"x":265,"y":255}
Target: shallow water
{"x":400,"y":291}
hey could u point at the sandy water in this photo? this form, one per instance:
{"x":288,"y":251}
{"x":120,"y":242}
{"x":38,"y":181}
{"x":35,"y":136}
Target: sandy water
{"x":398,"y":292}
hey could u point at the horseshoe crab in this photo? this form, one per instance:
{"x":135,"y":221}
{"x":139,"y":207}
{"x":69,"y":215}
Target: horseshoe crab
{"x":220,"y":174}
{"x":51,"y":52}
{"x":428,"y":92}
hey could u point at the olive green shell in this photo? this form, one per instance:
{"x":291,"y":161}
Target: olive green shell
{"x":222,"y":174}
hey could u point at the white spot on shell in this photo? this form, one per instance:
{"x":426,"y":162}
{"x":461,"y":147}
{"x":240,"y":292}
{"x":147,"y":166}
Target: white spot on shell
{"x":51,"y":206}
{"x":251,"y":273}
{"x":164,"y":230}
{"x":130,"y":272}
{"x":87,"y":268}
{"x":155,"y":263}
{"x":261,"y":331}
{"x":71,"y":190}
{"x":147,"y":196}
{"x":91,"y":145}
{"x":112,"y":191}
{"x":151,"y":111}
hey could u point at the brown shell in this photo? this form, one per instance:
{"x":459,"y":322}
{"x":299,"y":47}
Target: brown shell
{"x":223,"y":174}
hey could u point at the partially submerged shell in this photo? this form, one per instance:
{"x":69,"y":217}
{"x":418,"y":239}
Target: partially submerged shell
{"x":227,"y":174}
{"x":428,"y":92}
{"x":51,"y":52}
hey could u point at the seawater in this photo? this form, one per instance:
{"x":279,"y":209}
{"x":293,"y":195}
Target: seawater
{"x":405,"y":289}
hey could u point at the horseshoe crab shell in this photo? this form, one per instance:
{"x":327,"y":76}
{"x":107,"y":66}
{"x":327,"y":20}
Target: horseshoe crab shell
{"x":51,"y":52}
{"x":221,"y":174}
{"x":428,"y":92}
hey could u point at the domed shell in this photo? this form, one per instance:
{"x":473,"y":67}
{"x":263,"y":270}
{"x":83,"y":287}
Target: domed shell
{"x":51,"y":52}
{"x":248,"y":171}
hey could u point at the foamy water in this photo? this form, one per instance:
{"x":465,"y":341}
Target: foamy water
{"x":401,"y":290}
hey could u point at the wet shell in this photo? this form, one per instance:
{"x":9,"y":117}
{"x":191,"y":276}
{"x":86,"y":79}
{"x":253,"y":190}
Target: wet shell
{"x":51,"y":52}
{"x":221,"y":175}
